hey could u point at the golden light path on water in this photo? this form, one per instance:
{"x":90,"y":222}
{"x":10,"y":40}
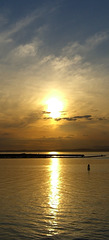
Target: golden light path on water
{"x":54,"y":193}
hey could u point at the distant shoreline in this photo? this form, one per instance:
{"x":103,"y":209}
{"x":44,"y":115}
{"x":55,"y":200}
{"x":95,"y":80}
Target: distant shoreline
{"x":43,"y":155}
{"x":53,"y":150}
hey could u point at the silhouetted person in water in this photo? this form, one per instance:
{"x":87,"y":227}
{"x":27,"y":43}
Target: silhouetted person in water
{"x":88,"y":167}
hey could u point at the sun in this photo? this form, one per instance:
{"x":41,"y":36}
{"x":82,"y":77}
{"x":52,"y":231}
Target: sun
{"x":54,"y":107}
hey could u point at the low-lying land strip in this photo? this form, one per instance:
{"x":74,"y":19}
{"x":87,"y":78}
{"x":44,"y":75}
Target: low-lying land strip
{"x":43,"y":155}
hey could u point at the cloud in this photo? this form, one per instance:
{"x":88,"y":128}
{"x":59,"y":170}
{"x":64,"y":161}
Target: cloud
{"x":25,"y":50}
{"x":89,"y":44}
{"x":22,"y":46}
{"x":32,"y":117}
{"x":47,"y":59}
{"x":89,"y":117}
{"x":20,"y":122}
{"x":20,"y":24}
{"x":102,"y":119}
{"x":45,"y":112}
{"x":75,"y":118}
{"x":97,"y":39}
{"x":19,"y":38}
{"x":3,"y":20}
{"x":62,"y":63}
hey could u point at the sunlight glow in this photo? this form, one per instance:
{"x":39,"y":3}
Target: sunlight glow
{"x":54,"y":153}
{"x":55,"y":106}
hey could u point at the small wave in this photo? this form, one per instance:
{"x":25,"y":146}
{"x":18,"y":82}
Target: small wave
{"x":57,"y":237}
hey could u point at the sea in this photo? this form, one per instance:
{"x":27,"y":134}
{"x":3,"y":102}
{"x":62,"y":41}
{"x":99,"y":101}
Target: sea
{"x":55,"y":198}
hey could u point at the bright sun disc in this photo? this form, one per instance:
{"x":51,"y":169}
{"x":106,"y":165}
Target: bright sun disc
{"x":55,"y":107}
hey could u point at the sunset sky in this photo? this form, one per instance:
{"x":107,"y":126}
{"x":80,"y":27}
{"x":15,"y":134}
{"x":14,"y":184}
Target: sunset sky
{"x":54,"y":74}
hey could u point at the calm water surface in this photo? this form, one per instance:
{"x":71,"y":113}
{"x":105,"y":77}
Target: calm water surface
{"x":54,"y":199}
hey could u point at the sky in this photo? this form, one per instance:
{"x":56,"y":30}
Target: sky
{"x":54,"y":75}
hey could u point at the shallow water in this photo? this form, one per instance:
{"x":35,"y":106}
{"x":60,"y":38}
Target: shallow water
{"x":54,"y":198}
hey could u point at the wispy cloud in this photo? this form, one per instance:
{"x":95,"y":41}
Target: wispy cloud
{"x":18,"y":122}
{"x":3,"y":20}
{"x":25,"y":50}
{"x":20,"y":24}
{"x":97,"y":39}
{"x":89,"y":44}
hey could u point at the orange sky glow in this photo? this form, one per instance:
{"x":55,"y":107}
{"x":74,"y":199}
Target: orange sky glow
{"x":54,"y":86}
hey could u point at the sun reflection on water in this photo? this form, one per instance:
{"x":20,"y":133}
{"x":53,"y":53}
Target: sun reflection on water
{"x":54,"y":193}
